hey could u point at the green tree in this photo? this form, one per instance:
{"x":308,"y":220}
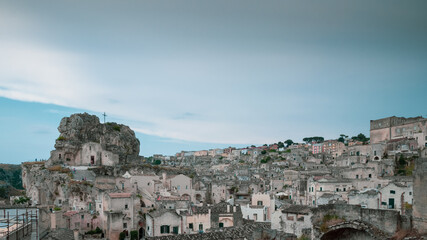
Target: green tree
{"x":280,"y":145}
{"x":289,"y":142}
{"x":342,"y":138}
{"x":361,"y":137}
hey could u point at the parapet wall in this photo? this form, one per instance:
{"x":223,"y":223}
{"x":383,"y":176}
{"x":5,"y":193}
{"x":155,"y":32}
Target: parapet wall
{"x":393,"y":121}
{"x":388,"y":221}
{"x":419,"y":211}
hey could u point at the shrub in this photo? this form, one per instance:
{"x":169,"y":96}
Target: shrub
{"x":122,"y":236}
{"x":304,"y":237}
{"x":61,"y":138}
{"x":21,"y":200}
{"x":133,"y":235}
{"x":96,"y":231}
{"x":57,"y":208}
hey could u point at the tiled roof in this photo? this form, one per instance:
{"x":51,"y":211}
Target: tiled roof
{"x":244,"y":232}
{"x":119,"y":195}
{"x":300,"y":209}
{"x":70,"y":213}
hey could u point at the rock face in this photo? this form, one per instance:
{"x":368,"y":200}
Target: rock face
{"x":79,"y":129}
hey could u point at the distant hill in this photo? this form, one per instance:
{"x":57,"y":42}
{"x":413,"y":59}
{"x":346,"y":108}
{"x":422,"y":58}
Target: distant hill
{"x":10,"y":180}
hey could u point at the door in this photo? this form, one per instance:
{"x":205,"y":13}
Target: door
{"x":391,"y":203}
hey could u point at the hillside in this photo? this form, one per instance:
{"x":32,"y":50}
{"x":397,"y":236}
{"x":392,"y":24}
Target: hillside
{"x":10,"y":180}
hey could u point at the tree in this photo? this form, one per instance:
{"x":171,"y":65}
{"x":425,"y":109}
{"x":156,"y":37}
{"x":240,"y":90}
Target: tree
{"x":280,"y":145}
{"x":361,"y":137}
{"x":313,"y":139}
{"x":342,"y":138}
{"x":289,"y":142}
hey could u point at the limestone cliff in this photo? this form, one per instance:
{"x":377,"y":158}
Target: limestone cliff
{"x":79,"y":129}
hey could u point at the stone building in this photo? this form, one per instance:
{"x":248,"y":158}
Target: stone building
{"x":419,"y":211}
{"x":163,"y":222}
{"x":295,"y":219}
{"x":385,"y":129}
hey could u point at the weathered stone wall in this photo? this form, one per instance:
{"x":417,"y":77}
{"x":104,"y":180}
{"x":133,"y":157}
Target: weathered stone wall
{"x":419,"y":211}
{"x":387,"y":221}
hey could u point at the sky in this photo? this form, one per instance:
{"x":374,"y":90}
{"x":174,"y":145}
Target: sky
{"x":191,"y":75}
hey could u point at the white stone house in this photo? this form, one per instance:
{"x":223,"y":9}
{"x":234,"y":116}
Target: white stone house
{"x":163,"y":222}
{"x":295,"y":219}
{"x":395,"y":195}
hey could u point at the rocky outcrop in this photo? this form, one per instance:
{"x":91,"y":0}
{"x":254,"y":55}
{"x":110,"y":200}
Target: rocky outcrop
{"x":79,"y":129}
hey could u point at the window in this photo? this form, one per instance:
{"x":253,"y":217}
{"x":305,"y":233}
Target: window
{"x":125,"y":225}
{"x":83,"y":216}
{"x":59,"y":201}
{"x":375,"y":152}
{"x":221,"y":225}
{"x":77,"y":225}
{"x":357,"y":176}
{"x":123,"y":186}
{"x":175,"y":230}
{"x":126,"y":206}
{"x":392,"y":192}
{"x":87,"y":224}
{"x":370,"y":175}
{"x":178,"y":187}
{"x":337,"y":189}
{"x":410,"y":193}
{"x":186,"y":186}
{"x":255,"y":216}
{"x":200,"y":227}
{"x":344,"y":189}
{"x":164,"y":229}
{"x":321,"y":188}
{"x":59,"y":156}
{"x":259,"y":203}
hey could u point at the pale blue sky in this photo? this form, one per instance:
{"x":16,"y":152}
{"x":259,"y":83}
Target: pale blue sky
{"x":198,"y":74}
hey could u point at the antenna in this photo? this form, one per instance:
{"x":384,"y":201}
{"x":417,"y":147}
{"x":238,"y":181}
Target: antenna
{"x":104,"y":116}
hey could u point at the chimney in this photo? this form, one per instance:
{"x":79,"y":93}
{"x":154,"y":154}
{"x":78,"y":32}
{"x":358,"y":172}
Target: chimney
{"x":228,"y":208}
{"x":234,"y":208}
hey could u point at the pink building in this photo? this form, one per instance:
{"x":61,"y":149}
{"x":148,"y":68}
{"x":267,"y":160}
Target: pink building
{"x":317,"y":148}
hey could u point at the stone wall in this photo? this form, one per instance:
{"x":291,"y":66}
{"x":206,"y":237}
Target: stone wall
{"x":387,"y":221}
{"x":419,"y":211}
